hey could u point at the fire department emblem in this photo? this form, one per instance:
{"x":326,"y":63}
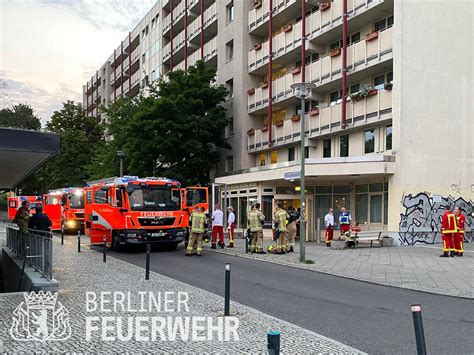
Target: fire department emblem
{"x":40,"y":317}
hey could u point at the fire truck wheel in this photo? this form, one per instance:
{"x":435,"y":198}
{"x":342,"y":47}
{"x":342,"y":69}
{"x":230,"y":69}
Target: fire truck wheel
{"x":115,"y":244}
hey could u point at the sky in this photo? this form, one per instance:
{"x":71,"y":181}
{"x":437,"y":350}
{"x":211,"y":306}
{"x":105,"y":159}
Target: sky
{"x":50,"y":48}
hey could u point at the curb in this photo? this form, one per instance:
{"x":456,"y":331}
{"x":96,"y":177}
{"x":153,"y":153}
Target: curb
{"x":297,"y":266}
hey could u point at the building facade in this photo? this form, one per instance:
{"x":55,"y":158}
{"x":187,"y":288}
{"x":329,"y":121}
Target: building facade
{"x":393,"y":145}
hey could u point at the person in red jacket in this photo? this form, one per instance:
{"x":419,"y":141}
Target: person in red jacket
{"x":459,"y":235}
{"x":448,"y":229}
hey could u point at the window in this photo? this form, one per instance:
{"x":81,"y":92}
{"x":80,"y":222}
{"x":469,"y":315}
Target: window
{"x":380,"y":25}
{"x":369,"y":141}
{"x":306,"y":152}
{"x":335,"y":97}
{"x":379,"y":82}
{"x":376,"y":208}
{"x":361,"y":208}
{"x":230,"y":12}
{"x":308,"y":106}
{"x":230,"y":88}
{"x":262,"y":161}
{"x":354,"y":38}
{"x":344,"y":145}
{"x":100,"y":196}
{"x":327,"y":148}
{"x":230,"y":127}
{"x":388,"y":137}
{"x":274,"y":157}
{"x":229,"y":163}
{"x":291,"y":153}
{"x":229,"y":50}
{"x":354,"y":88}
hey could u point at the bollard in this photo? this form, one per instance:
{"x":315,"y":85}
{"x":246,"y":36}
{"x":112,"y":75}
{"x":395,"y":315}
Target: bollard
{"x":62,"y":235}
{"x":419,"y":332}
{"x":78,"y":241}
{"x":246,"y":244}
{"x":104,"y":249}
{"x":147,"y":261}
{"x":227,"y":290}
{"x":273,"y":343}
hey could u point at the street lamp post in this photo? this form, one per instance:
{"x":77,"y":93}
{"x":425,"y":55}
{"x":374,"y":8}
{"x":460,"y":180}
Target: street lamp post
{"x":302,"y":91}
{"x":121,"y":154}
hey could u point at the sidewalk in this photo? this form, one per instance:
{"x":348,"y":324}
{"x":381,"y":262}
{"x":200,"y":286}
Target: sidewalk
{"x":418,"y":268}
{"x":80,"y":273}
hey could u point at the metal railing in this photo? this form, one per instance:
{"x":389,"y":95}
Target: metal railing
{"x":34,"y":247}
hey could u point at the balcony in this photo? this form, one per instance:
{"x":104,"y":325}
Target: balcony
{"x":369,"y":110}
{"x":318,"y":26}
{"x":178,"y":15}
{"x":361,"y":55}
{"x":282,"y":11}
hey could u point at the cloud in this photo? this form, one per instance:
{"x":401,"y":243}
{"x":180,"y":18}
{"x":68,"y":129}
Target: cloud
{"x":43,"y":102}
{"x":117,"y":15}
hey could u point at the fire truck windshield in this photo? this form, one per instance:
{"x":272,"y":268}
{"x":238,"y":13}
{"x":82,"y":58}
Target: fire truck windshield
{"x":155,"y":198}
{"x":76,"y":201}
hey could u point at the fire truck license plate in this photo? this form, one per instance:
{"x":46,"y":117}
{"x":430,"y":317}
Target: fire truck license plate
{"x":159,"y":234}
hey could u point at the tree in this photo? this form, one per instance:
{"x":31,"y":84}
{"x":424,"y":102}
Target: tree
{"x":81,"y":137}
{"x":19,"y":116}
{"x":176,"y":130}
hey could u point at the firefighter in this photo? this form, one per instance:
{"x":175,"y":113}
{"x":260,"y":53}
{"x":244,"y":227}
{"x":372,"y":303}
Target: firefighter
{"x":344,"y":221}
{"x":22,"y":216}
{"x":255,"y":221}
{"x":294,"y":217}
{"x":329,"y":223}
{"x":459,"y":235}
{"x":448,"y":229}
{"x":230,"y":225}
{"x":198,"y":227}
{"x":281,"y":220}
{"x":217,"y":227}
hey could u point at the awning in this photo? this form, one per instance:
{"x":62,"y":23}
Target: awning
{"x":22,"y":152}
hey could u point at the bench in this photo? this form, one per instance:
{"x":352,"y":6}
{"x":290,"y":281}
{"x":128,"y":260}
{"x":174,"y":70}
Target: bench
{"x":368,"y":236}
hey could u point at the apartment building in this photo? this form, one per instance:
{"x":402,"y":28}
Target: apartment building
{"x":393,"y":146}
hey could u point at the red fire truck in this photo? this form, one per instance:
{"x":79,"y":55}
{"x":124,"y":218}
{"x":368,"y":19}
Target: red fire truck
{"x":15,"y":202}
{"x":52,"y":208}
{"x":72,"y":201}
{"x":133,"y":211}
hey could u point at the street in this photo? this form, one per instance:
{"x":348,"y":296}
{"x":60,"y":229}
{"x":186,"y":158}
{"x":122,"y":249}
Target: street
{"x":373,"y":318}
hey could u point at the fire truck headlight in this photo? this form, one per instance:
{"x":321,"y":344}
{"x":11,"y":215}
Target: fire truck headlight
{"x":180,"y":234}
{"x":71,"y":223}
{"x":131,"y":236}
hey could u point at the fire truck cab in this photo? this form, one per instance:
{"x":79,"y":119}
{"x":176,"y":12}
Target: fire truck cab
{"x":72,"y":201}
{"x":15,"y":202}
{"x":52,"y":208}
{"x":133,"y":211}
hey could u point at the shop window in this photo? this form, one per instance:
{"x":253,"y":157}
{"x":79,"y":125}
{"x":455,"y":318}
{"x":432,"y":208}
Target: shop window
{"x":369,"y":146}
{"x":388,"y":137}
{"x":376,"y":208}
{"x":361,"y":188}
{"x":378,"y":187}
{"x":274,"y":157}
{"x":361,"y":208}
{"x":327,"y":148}
{"x":323,"y":203}
{"x":344,"y":145}
{"x":323,"y":189}
{"x":291,"y":154}
{"x":267,"y":209}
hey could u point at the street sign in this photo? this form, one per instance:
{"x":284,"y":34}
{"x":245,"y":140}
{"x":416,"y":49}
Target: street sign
{"x":294,"y":175}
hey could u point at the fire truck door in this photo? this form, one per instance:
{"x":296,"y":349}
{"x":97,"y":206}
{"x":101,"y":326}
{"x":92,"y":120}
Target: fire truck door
{"x":197,"y":196}
{"x":100,"y":216}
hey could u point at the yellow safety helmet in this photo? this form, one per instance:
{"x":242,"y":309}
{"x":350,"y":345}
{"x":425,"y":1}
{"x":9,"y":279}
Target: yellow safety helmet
{"x":270,"y":248}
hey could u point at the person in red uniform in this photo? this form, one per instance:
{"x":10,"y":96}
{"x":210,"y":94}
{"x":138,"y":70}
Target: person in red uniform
{"x":448,"y":229}
{"x":459,"y":235}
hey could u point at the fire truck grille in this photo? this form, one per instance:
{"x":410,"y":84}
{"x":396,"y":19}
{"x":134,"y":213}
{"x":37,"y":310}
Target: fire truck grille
{"x":156,"y":221}
{"x":79,"y":214}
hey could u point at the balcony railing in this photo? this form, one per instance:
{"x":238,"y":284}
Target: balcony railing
{"x":367,"y":110}
{"x":359,"y":55}
{"x":258,"y":16}
{"x":178,"y":12}
{"x":316,"y":23}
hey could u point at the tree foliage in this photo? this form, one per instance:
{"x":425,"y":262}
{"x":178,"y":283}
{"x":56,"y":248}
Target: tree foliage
{"x":175,"y":130}
{"x":81,"y":136}
{"x":19,"y":116}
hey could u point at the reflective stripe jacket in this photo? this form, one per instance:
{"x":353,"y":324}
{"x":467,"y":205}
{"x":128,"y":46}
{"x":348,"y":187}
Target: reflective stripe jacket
{"x":255,"y":221}
{"x":460,"y":220}
{"x":197,"y":222}
{"x":281,"y":216}
{"x":345,"y":218}
{"x":448,"y":223}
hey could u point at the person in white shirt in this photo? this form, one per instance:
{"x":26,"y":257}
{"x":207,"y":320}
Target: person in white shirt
{"x":329,"y":222}
{"x":231,"y":225}
{"x":217,"y":227}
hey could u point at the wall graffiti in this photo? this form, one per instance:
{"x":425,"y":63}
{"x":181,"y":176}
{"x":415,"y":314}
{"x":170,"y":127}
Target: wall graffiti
{"x":421,"y":221}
